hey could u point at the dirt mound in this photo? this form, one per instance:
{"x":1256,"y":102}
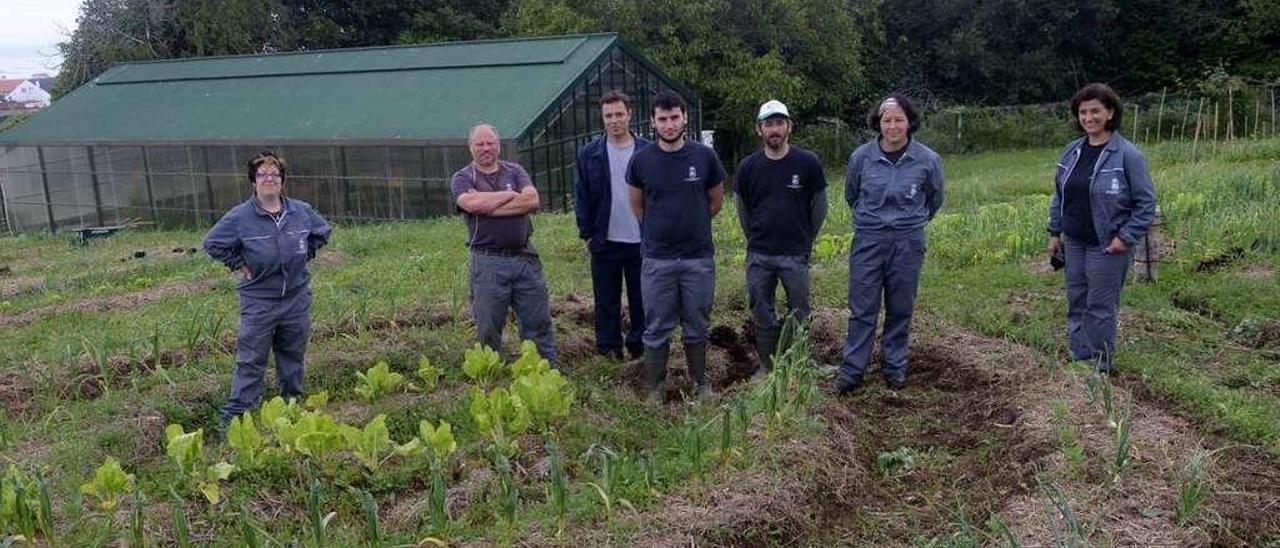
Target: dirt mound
{"x":15,"y":394}
{"x":959,"y":422}
{"x":577,"y":308}
{"x":22,"y":285}
{"x":111,"y":302}
{"x":827,"y":328}
{"x":723,"y":372}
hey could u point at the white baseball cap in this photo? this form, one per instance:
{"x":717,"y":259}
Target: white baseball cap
{"x":772,"y":108}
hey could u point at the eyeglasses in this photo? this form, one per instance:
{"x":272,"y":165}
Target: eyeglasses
{"x":261,"y":175}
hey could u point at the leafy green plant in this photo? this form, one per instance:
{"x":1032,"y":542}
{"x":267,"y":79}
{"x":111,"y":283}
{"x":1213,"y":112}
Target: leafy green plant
{"x":428,"y":374}
{"x":896,"y":463}
{"x":439,"y":440}
{"x":317,"y":401}
{"x":377,"y":381}
{"x":314,"y":435}
{"x":372,"y":444}
{"x":109,"y":483}
{"x":19,"y":503}
{"x":481,"y":364}
{"x":500,"y":416}
{"x":244,"y":437}
{"x":546,"y":395}
{"x":187,"y":451}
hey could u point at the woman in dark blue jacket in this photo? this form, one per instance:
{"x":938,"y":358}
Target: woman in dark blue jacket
{"x":268,"y":240}
{"x":1103,"y":204}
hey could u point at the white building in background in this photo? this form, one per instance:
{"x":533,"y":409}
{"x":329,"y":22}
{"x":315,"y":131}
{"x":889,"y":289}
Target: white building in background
{"x":26,"y":93}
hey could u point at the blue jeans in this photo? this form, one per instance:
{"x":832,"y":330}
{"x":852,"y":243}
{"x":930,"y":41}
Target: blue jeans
{"x":499,"y":284}
{"x":763,"y":274}
{"x":882,"y":264}
{"x":1094,"y":280}
{"x":281,"y":325}
{"x":677,"y":290}
{"x":611,"y":264}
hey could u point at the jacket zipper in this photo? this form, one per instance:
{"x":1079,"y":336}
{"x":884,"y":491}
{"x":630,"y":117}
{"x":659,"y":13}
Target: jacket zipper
{"x":284,"y":274}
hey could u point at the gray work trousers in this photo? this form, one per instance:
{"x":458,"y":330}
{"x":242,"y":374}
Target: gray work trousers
{"x":500,"y":283}
{"x":1094,"y":280}
{"x":882,"y":266}
{"x":763,"y":274}
{"x":281,"y":325}
{"x":677,"y":290}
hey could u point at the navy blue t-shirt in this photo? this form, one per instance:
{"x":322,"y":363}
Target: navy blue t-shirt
{"x":677,"y":213}
{"x":778,"y":198}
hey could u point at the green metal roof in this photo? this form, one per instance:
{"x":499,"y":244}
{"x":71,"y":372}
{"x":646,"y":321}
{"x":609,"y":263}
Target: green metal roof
{"x":397,"y":93}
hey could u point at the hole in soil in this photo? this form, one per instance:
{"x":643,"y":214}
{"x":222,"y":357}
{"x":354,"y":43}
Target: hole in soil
{"x":1217,"y":263}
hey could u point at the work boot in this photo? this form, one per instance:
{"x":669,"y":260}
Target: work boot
{"x":696,"y":356}
{"x":766,"y":345}
{"x":655,"y":373}
{"x":845,"y":385}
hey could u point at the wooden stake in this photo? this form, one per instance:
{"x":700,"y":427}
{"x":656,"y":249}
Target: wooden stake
{"x":1231,"y":115}
{"x":1195,"y":144}
{"x":1160,"y":113}
{"x":1186,"y":111}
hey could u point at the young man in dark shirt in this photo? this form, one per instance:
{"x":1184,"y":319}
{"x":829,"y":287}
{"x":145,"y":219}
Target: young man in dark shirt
{"x":496,"y":199}
{"x":781,"y":196}
{"x":676,"y":188}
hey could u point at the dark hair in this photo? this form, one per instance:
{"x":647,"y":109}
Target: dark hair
{"x":913,"y":118}
{"x":616,"y":96}
{"x":669,"y":100}
{"x":1103,"y":94}
{"x":264,"y":157}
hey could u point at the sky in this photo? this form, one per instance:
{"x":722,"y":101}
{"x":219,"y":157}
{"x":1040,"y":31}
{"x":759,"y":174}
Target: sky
{"x":29,"y":33}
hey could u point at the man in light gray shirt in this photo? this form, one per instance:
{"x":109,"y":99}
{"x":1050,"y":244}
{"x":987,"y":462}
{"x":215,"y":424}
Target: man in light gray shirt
{"x":610,"y":228}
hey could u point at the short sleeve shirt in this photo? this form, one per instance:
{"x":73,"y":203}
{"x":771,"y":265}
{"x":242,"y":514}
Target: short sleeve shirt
{"x":484,"y":231}
{"x":778,"y":197}
{"x":677,"y":213}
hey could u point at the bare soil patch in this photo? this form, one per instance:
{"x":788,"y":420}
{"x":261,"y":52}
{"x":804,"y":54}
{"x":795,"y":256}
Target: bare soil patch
{"x":109,"y":303}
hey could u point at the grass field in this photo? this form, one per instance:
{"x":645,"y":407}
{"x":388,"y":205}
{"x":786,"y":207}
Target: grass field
{"x":998,"y":440}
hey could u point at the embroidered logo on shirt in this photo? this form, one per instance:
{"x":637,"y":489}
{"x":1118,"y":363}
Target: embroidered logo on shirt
{"x":693,"y":175}
{"x":911,"y":193}
{"x":1115,"y":186}
{"x":302,"y":244}
{"x":795,"y":182}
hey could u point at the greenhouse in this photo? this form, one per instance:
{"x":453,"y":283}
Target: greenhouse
{"x":368,"y":133}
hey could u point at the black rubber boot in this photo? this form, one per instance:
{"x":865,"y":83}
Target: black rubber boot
{"x":655,"y":373}
{"x":766,"y":345}
{"x":696,"y":356}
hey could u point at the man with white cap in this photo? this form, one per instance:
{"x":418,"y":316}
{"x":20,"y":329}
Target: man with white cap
{"x":781,"y":196}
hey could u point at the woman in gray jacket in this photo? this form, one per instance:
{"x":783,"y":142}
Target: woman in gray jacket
{"x":1103,"y":204}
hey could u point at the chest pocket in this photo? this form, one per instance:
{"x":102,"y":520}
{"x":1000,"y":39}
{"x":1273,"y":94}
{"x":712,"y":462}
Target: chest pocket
{"x":877,"y":178}
{"x":1111,"y":182}
{"x":298,"y":240}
